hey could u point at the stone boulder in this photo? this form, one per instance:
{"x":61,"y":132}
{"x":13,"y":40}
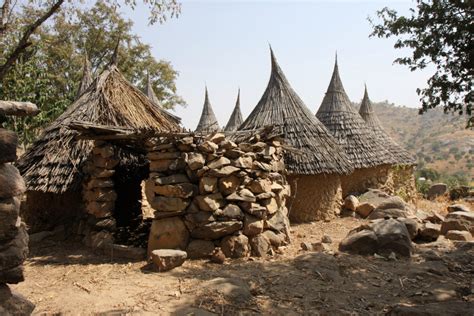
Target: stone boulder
{"x":8,"y":144}
{"x":381,"y":236}
{"x":235,"y":246}
{"x":387,"y":213}
{"x":458,"y":221}
{"x":460,"y":235}
{"x":12,"y":303}
{"x":12,"y":183}
{"x":200,"y":249}
{"x":168,"y":233}
{"x":210,"y":202}
{"x":252,"y":225}
{"x":429,"y":231}
{"x":364,"y":209}
{"x":437,"y":189}
{"x":167,"y":259}
{"x":458,"y":208}
{"x":260,"y":246}
{"x":216,"y":230}
{"x":351,"y":203}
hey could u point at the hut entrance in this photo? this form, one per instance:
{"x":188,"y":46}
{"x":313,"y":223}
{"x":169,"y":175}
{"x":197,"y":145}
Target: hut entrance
{"x":131,"y":230}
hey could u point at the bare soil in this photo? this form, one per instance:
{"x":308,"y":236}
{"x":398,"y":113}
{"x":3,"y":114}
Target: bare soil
{"x":67,"y":278}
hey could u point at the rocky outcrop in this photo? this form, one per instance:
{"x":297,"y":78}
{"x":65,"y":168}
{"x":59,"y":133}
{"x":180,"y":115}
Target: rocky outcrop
{"x":217,"y":193}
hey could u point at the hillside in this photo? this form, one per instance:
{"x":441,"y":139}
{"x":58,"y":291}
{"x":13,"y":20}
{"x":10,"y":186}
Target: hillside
{"x":440,"y":141}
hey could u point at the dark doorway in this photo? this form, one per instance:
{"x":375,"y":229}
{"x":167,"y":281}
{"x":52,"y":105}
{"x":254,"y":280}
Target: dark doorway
{"x":131,"y":229}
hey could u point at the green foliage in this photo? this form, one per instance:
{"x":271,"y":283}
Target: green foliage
{"x":438,"y":32}
{"x":422,"y":186}
{"x":428,"y":174}
{"x":49,"y":74}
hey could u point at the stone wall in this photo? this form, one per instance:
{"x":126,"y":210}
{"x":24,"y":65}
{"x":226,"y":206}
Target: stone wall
{"x":361,"y":180}
{"x":314,"y":197}
{"x":13,"y":234}
{"x":211,"y":192}
{"x":404,"y":185}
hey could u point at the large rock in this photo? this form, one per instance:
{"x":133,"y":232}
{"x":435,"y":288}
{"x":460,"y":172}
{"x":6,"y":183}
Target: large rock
{"x":12,"y":303}
{"x":458,"y":221}
{"x":101,"y":240}
{"x":8,"y":144}
{"x":364,"y":209}
{"x":436,"y":190}
{"x":460,"y":235}
{"x":260,"y":246}
{"x":218,"y":163}
{"x":351,"y":203}
{"x":252,"y":226}
{"x":387,"y":213}
{"x":381,"y":236}
{"x":168,"y":204}
{"x":430,"y":231}
{"x":200,"y":249}
{"x":208,"y":147}
{"x":411,"y":225}
{"x":260,"y":186}
{"x":210,"y":202}
{"x":182,"y":190}
{"x":167,"y":259}
{"x":168,"y":233}
{"x":9,"y":220}
{"x":235,"y":246}
{"x":12,"y":183}
{"x":254,"y":209}
{"x":230,"y":212}
{"x":223,"y":172}
{"x":216,"y":230}
{"x":172,"y":179}
{"x":12,"y":276}
{"x":244,"y":162}
{"x":279,"y":223}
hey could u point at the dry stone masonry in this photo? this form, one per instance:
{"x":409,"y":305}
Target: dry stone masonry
{"x":13,"y":234}
{"x":210,"y":192}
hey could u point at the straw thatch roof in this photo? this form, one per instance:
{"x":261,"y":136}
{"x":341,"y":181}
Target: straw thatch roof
{"x":208,"y":121}
{"x":87,"y":77}
{"x":350,"y":130}
{"x":401,"y":156}
{"x":280,"y":106}
{"x":53,"y":162}
{"x":235,"y":118}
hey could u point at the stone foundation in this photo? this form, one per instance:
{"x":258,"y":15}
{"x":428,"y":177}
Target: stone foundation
{"x":314,"y":197}
{"x":211,"y":192}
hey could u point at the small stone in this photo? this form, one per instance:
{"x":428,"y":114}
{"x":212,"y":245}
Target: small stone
{"x":219,"y":163}
{"x":244,"y":162}
{"x":208,"y":147}
{"x":227,"y":144}
{"x":265,"y":195}
{"x":246,"y":147}
{"x":364,"y":209}
{"x":216,"y":230}
{"x":271,"y":205}
{"x":276,"y":240}
{"x":102,"y":239}
{"x":430,"y":231}
{"x":223,"y":172}
{"x":460,"y":235}
{"x":218,"y":256}
{"x":260,"y":186}
{"x":326,"y":239}
{"x":260,"y":246}
{"x":230,"y":212}
{"x":235,"y":246}
{"x":173,"y":179}
{"x":254,"y":209}
{"x":100,"y":195}
{"x":458,"y":208}
{"x":229,"y":185}
{"x":458,"y":221}
{"x":243,"y":195}
{"x":157,"y":155}
{"x":411,"y":225}
{"x":233,"y":153}
{"x":168,"y":204}
{"x":167,"y":259}
{"x":182,"y":190}
{"x":362,"y":242}
{"x":387,"y":213}
{"x":217,"y":138}
{"x":8,"y":144}
{"x":351,"y":203}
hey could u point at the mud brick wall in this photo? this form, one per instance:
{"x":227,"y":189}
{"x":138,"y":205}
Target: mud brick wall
{"x":211,"y":192}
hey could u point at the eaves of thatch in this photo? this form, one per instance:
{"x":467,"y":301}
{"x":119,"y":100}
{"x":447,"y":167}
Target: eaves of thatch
{"x":54,"y":162}
{"x":281,"y":107}
{"x":350,"y":130}
{"x":235,"y":118}
{"x":208,"y":121}
{"x":402,"y":157}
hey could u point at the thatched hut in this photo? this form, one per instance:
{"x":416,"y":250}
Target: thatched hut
{"x":314,"y":166}
{"x":368,"y":156}
{"x":53,"y":165}
{"x":403,"y":171}
{"x":208,"y":121}
{"x":235,"y":118}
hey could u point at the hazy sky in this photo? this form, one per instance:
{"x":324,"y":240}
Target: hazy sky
{"x":224,"y":44}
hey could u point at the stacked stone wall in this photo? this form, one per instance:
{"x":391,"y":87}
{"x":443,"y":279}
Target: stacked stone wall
{"x":359,"y":181}
{"x":13,"y":234}
{"x":211,"y":192}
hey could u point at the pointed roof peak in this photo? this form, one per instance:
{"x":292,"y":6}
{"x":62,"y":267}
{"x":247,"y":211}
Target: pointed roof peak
{"x":87,"y":76}
{"x":114,"y":58}
{"x":208,"y":122}
{"x":366,"y":105}
{"x":150,"y":93}
{"x":235,"y":119}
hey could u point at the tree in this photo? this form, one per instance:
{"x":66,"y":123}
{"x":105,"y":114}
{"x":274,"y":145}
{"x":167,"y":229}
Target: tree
{"x":159,"y":10}
{"x":439,"y":32}
{"x":49,"y":72}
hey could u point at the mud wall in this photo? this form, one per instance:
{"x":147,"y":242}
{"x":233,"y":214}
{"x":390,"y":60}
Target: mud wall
{"x":358,"y":182}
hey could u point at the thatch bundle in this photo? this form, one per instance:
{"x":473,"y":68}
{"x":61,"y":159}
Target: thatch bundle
{"x":87,"y":77}
{"x":358,"y":141}
{"x":150,"y":93}
{"x":282,"y":107}
{"x":208,"y":121}
{"x":53,"y":163}
{"x":402,"y":157}
{"x":235,"y":118}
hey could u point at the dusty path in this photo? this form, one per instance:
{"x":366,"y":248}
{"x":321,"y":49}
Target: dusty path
{"x":67,"y":278}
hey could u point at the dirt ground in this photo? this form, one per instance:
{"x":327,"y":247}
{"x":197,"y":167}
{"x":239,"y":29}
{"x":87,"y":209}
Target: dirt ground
{"x":67,"y":278}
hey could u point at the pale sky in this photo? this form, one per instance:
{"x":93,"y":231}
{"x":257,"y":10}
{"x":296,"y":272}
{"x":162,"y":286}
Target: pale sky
{"x":224,"y":44}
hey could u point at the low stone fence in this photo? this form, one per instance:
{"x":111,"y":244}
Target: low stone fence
{"x":211,"y":192}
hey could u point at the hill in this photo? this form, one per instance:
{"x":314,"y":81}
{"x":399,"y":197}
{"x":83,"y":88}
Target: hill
{"x":440,"y":141}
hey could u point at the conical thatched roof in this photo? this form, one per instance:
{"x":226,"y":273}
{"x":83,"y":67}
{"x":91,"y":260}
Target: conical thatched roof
{"x":153,"y":98}
{"x":350,"y":130}
{"x":402,"y":156}
{"x":235,"y":118}
{"x":53,"y":163}
{"x":281,"y":106}
{"x":149,"y":91}
{"x":208,"y":122}
{"x":87,"y":77}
